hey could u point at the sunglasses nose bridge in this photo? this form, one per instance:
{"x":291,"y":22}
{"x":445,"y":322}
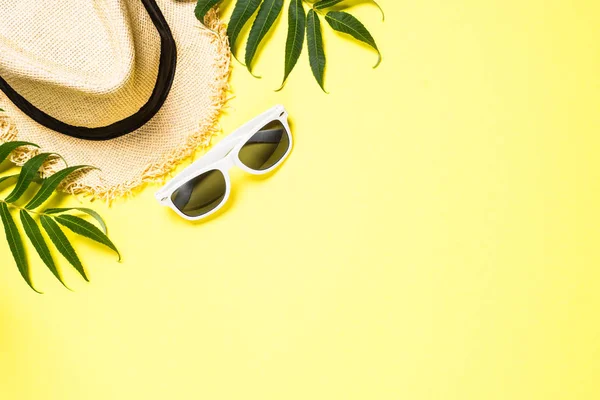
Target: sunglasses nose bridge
{"x":228,"y":163}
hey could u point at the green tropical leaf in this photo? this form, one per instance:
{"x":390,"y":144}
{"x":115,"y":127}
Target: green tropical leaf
{"x":319,"y":5}
{"x":50,"y":184}
{"x":316,"y":54}
{"x":4,"y":178}
{"x":242,"y":12}
{"x":267,"y":14}
{"x":62,"y":244}
{"x":37,"y":240}
{"x":28,"y":173}
{"x":15,"y":243}
{"x":49,"y":219}
{"x":295,"y":38}
{"x":88,"y":211}
{"x":9,"y":147}
{"x":343,"y":22}
{"x":82,"y":227}
{"x":203,"y":6}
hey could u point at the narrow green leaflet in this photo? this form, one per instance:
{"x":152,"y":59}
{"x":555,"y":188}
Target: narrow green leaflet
{"x":380,"y":9}
{"x":37,"y":240}
{"x":295,"y":38}
{"x":62,"y":244}
{"x":319,"y":5}
{"x":50,"y":184}
{"x":87,"y":211}
{"x":242,"y":12}
{"x":8,"y":147}
{"x":346,"y":23}
{"x":322,"y":4}
{"x":267,"y":14}
{"x":316,"y":54}
{"x":203,"y":6}
{"x":84,"y":228}
{"x":15,"y":243}
{"x":28,"y":173}
{"x":4,"y":178}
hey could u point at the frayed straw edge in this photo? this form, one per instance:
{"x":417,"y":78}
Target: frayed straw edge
{"x":8,"y":133}
{"x":159,"y":171}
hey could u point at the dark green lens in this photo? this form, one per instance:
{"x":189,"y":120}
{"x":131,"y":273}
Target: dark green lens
{"x":200,"y":195}
{"x":266,"y":148}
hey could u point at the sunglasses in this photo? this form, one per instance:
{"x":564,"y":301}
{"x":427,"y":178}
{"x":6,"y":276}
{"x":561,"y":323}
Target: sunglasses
{"x":257,"y":147}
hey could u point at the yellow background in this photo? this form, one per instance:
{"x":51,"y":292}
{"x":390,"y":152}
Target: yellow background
{"x":434,"y":234}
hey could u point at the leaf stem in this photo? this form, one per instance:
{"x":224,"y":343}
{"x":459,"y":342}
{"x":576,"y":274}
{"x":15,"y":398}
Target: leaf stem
{"x":11,"y":205}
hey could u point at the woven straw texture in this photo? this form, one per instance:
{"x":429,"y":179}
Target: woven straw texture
{"x":94,"y":62}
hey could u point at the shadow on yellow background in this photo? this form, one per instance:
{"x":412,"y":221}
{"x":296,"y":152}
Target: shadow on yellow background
{"x":434,"y":234}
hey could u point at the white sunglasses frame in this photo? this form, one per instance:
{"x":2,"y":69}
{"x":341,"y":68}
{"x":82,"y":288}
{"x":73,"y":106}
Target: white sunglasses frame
{"x":223,"y":156}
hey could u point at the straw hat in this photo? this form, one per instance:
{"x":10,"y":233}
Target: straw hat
{"x":129,"y":86}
